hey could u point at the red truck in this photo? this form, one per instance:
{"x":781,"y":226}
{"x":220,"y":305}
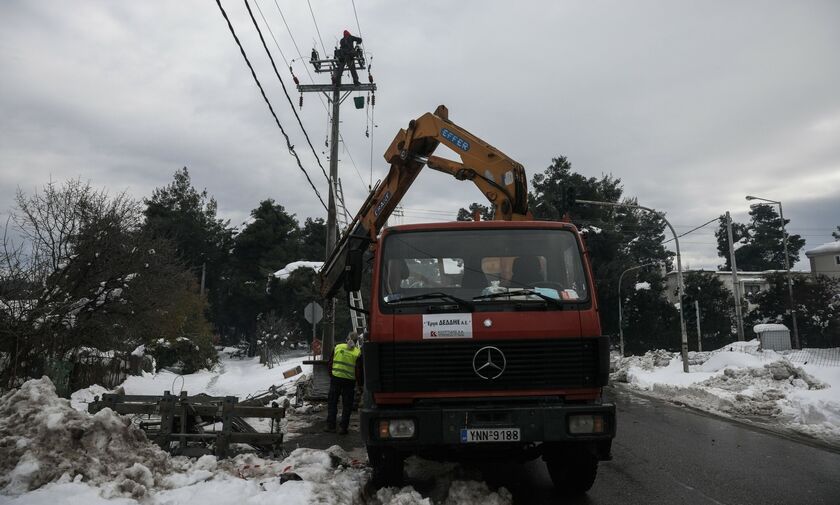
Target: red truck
{"x":484,"y":339}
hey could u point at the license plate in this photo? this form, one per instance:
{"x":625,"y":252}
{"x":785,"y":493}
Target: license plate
{"x":471,"y":435}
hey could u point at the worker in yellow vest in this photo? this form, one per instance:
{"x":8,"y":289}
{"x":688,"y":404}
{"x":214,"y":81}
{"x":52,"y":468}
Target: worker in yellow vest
{"x":343,"y":382}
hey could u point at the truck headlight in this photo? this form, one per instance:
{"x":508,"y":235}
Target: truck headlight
{"x":396,"y":428}
{"x":583,"y":424}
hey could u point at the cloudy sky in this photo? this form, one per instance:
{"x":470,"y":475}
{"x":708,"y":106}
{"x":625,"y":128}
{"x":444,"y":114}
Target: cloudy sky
{"x":692,"y":104}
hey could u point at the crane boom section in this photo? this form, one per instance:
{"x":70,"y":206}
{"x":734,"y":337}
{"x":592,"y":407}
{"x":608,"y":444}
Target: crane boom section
{"x":501,"y":179}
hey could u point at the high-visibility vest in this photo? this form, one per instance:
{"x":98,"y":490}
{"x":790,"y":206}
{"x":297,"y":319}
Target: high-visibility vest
{"x":344,"y":361}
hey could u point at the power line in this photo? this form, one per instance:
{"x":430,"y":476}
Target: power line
{"x":316,"y":27}
{"x":272,"y":34}
{"x":285,"y":92}
{"x":359,"y":28}
{"x":693,"y":229}
{"x":267,"y":102}
{"x":312,"y":80}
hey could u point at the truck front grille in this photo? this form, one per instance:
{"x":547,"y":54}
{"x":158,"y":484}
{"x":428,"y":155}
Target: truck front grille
{"x":532,"y":364}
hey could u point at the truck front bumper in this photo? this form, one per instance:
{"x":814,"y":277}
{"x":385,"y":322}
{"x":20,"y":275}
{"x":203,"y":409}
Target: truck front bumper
{"x":437,"y":425}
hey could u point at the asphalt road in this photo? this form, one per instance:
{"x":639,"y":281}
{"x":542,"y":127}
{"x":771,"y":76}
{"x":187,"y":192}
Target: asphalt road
{"x":673,"y":455}
{"x":665,"y":454}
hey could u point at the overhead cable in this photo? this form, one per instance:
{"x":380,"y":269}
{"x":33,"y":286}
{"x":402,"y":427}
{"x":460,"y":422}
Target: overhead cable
{"x":320,"y":98}
{"x":270,"y":108}
{"x":285,"y":60}
{"x":316,"y":27}
{"x":285,"y":91}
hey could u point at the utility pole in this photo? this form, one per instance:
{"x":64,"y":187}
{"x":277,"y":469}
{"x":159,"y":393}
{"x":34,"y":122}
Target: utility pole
{"x":736,"y":287}
{"x":336,"y":93}
{"x":787,"y":268}
{"x":697,"y":316}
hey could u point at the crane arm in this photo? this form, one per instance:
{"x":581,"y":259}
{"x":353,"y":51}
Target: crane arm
{"x":501,"y":179}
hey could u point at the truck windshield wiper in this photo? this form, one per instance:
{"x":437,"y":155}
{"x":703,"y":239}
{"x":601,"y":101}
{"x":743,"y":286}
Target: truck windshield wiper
{"x":397,"y":298}
{"x":547,"y":298}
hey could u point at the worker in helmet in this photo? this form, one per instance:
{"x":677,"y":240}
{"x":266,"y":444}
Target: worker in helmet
{"x":343,"y":378}
{"x":346,"y":56}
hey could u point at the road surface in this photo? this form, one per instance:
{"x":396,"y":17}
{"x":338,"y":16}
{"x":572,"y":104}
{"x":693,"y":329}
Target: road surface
{"x":666,"y":454}
{"x":674,"y":455}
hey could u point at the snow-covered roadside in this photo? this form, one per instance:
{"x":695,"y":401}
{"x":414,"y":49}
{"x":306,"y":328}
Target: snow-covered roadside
{"x":741,"y":381}
{"x":52,"y":452}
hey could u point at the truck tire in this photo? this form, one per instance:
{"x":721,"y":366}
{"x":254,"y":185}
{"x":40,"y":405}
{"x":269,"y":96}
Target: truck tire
{"x":387,"y":467}
{"x":574,"y":473}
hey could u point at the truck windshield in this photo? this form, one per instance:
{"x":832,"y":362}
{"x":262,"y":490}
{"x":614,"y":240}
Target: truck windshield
{"x":483,"y":266}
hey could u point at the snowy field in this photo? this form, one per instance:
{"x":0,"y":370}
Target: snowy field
{"x":743,"y":382}
{"x":52,"y":452}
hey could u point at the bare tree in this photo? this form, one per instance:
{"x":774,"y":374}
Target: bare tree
{"x":84,"y":275}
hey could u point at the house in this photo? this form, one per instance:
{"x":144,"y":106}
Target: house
{"x":750,"y":282}
{"x":825,"y":259}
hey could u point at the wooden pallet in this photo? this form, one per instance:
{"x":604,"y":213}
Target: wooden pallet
{"x":184,"y":425}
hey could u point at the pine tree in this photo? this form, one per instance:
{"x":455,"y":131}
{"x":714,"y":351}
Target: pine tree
{"x":617,"y":238}
{"x":762,"y":242}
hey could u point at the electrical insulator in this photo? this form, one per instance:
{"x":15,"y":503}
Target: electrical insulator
{"x":370,"y":78}
{"x":368,"y":98}
{"x":291,"y":71}
{"x":373,"y":100}
{"x":294,"y":78}
{"x":300,"y":103}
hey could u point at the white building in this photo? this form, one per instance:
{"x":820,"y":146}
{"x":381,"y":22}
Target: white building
{"x":750,"y":282}
{"x":825,"y":259}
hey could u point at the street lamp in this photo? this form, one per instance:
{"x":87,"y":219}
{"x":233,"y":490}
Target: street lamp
{"x":680,"y":285}
{"x":620,"y":323}
{"x":787,"y":267}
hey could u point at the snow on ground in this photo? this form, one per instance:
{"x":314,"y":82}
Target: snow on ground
{"x":237,"y":377}
{"x":53,"y":452}
{"x":740,"y":380}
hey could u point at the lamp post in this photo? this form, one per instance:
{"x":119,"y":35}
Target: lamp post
{"x":620,"y":322}
{"x":680,"y":286}
{"x":787,"y":267}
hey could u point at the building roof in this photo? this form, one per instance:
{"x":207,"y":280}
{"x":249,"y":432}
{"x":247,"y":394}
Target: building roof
{"x":827,"y":248}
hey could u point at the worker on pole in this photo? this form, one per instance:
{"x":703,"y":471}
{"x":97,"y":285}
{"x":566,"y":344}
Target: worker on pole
{"x":343,"y":378}
{"x":347,"y":56}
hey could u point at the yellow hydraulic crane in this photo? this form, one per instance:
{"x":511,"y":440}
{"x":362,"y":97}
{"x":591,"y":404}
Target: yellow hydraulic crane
{"x":501,"y":179}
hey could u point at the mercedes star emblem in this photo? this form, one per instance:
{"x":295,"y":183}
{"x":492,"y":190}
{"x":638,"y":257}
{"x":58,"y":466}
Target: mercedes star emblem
{"x":489,"y":362}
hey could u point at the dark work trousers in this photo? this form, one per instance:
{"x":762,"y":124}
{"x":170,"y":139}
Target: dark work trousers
{"x":350,"y":63}
{"x":346,"y":389}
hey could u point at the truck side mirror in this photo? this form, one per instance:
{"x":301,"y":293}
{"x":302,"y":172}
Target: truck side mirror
{"x":353,"y":270}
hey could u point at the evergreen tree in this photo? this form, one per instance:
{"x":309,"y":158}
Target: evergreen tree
{"x":485,"y":212}
{"x":836,"y":234}
{"x":267,"y":243}
{"x":717,"y":312}
{"x":817,"y":308}
{"x":313,"y":237}
{"x":617,"y":238}
{"x":762,"y":242}
{"x":180,"y":213}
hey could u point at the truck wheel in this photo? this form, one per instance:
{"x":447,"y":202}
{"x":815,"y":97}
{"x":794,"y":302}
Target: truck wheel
{"x":572,"y":473}
{"x":387,"y":466}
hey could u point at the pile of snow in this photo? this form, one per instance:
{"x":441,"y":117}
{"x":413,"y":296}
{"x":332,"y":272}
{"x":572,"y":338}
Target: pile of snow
{"x":52,"y":453}
{"x":287,"y":270}
{"x":80,"y":399}
{"x":451,"y":484}
{"x":42,"y":438}
{"x":761,"y":328}
{"x":642,"y":286}
{"x":739,"y":380}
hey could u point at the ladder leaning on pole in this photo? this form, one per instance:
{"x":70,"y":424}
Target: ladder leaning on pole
{"x":357,"y":317}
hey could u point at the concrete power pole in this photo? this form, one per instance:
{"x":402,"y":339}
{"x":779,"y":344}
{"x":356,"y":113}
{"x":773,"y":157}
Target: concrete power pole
{"x":336,"y":94}
{"x":736,"y":287}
